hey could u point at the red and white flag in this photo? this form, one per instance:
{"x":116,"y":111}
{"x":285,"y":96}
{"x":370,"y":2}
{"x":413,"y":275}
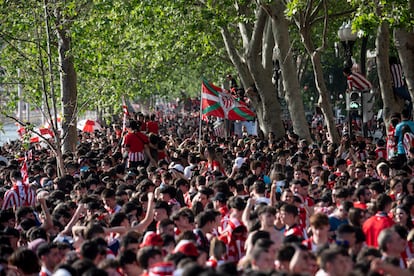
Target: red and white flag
{"x":24,"y":172}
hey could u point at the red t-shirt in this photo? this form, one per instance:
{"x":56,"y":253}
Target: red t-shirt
{"x":152,"y":126}
{"x":295,"y":230}
{"x":374,"y":225}
{"x":135,"y":141}
{"x":360,"y":205}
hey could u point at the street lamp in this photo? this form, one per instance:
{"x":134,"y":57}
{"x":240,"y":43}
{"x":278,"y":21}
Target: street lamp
{"x":347,"y":38}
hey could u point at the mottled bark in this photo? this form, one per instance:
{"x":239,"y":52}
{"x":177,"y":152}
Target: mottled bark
{"x":404,"y":41}
{"x":291,"y":85}
{"x":382,"y":43}
{"x":68,"y":84}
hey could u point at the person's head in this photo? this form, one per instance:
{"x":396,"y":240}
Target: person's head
{"x":319,"y":223}
{"x":109,"y":197}
{"x":289,"y":214}
{"x":363,"y":194}
{"x":184,"y":219}
{"x":347,"y":71}
{"x":218,"y":248}
{"x":390,"y":242}
{"x":166,"y":226}
{"x":93,"y":251}
{"x":259,"y":187}
{"x":376,"y":189}
{"x":147,"y":256}
{"x":356,"y":217}
{"x":128,"y":262}
{"x":403,"y":216}
{"x":267,"y":216}
{"x":15,"y":176}
{"x":383,"y":203}
{"x":262,"y":259}
{"x":236,"y":204}
{"x":346,"y":233}
{"x":284,"y":256}
{"x":207,"y":220}
{"x":287,"y":196}
{"x":335,"y":261}
{"x":130,"y":241}
{"x":49,"y":255}
{"x":161,"y":210}
{"x":343,"y":209}
{"x":25,"y":260}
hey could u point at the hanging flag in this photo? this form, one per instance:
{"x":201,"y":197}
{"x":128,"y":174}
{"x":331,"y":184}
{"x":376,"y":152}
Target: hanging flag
{"x":219,"y":129}
{"x":220,"y":103}
{"x":126,"y":114}
{"x":24,"y":171}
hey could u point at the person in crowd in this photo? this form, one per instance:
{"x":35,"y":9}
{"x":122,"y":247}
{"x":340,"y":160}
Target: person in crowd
{"x":208,"y":202}
{"x":135,"y":144}
{"x":373,"y":226}
{"x":334,"y":261}
{"x":50,"y":258}
{"x":319,"y":224}
{"x":21,"y":194}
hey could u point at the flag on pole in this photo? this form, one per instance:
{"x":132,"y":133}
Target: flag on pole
{"x":24,"y":171}
{"x":220,"y":103}
{"x":126,"y":114}
{"x":219,"y":129}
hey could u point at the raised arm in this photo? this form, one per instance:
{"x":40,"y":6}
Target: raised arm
{"x":48,"y":223}
{"x":149,"y":216}
{"x":73,"y":220}
{"x":246,"y":212}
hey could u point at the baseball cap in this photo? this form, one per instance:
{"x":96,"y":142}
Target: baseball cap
{"x":151,"y":239}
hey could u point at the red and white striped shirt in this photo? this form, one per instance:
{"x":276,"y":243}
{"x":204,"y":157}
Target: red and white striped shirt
{"x":14,"y":199}
{"x":358,"y":82}
{"x":397,"y":75}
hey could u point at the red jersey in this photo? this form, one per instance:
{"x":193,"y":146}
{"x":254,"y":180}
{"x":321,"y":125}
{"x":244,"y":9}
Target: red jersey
{"x":235,"y":241}
{"x":374,"y":225}
{"x":152,"y":126}
{"x":360,"y":205}
{"x":295,"y":230}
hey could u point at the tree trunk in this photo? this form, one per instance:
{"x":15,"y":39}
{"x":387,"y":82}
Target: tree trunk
{"x":267,"y":105}
{"x":253,"y":73}
{"x":404,"y":41}
{"x":324,"y":99}
{"x":382,"y":44}
{"x":68,"y":84}
{"x":291,"y":85}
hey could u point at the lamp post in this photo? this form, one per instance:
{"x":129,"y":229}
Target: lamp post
{"x":347,"y":38}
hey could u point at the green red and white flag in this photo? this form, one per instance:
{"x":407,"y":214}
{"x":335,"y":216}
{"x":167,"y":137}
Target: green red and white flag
{"x":220,"y":103}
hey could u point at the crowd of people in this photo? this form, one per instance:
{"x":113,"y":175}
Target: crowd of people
{"x":149,"y":201}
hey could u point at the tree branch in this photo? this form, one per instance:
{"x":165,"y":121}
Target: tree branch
{"x":257,"y":37}
{"x":325,"y":27}
{"x":333,"y":15}
{"x":245,"y":29}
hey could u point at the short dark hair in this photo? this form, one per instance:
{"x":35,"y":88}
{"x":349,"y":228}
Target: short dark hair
{"x":347,"y":70}
{"x":382,"y":201}
{"x":205,"y":217}
{"x":329,"y":255}
{"x":145,"y":253}
{"x":290,"y":209}
{"x":45,"y":248}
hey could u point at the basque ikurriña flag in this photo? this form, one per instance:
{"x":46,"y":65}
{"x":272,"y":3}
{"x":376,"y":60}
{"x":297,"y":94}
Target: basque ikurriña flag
{"x":219,"y":103}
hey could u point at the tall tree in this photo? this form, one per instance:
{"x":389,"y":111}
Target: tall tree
{"x":307,"y":15}
{"x":284,"y":53}
{"x":384,"y":17}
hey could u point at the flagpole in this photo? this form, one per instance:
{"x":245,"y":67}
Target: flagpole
{"x":200,"y":118}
